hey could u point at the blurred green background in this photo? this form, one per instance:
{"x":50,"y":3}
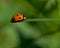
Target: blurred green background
{"x":30,"y":34}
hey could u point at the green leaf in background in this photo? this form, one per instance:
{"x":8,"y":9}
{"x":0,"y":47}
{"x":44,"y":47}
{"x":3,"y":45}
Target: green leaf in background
{"x":8,"y":37}
{"x":49,"y":41}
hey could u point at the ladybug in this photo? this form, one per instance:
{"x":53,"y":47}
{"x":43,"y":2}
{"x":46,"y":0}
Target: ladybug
{"x":17,"y":18}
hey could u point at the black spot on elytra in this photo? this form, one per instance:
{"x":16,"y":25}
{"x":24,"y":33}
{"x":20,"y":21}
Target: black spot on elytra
{"x":19,"y":17}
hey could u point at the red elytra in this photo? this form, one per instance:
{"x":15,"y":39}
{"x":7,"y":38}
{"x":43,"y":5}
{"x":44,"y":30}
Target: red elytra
{"x":17,"y":18}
